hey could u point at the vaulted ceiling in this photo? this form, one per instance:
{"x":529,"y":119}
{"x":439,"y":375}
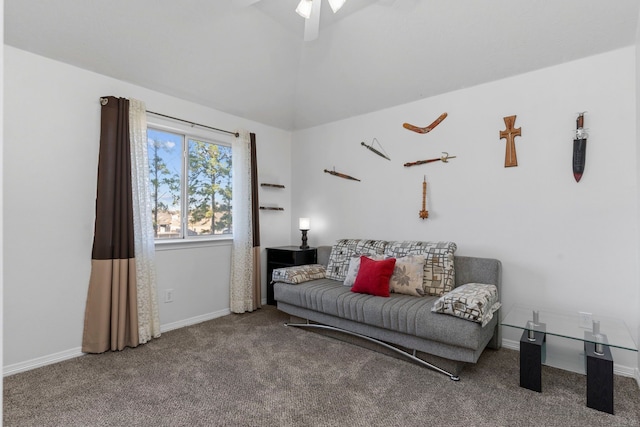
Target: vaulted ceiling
{"x":253,"y":62}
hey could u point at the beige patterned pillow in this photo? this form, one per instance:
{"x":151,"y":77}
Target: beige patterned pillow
{"x":408,"y":276}
{"x":298,"y":274}
{"x":474,"y":301}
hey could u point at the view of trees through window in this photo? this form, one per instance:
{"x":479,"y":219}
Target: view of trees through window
{"x":192,"y":176}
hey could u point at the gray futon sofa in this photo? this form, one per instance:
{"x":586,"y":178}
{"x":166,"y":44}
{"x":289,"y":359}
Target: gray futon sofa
{"x":403,"y":323}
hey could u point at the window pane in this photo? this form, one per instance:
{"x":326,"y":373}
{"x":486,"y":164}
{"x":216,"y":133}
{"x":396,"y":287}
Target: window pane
{"x":165,"y":165}
{"x":209,"y":188}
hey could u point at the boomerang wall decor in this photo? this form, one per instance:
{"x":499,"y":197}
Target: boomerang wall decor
{"x":425,"y":129}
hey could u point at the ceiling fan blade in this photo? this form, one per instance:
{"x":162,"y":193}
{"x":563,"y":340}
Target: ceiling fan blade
{"x":312,"y":25}
{"x":244,"y":3}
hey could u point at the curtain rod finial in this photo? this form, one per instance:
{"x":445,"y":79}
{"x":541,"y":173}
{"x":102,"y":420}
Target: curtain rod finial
{"x":104,"y":101}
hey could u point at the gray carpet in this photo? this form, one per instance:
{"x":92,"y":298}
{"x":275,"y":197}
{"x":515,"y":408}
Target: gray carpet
{"x":250,"y":370}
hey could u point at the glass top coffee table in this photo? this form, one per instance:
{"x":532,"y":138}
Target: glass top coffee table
{"x":598,"y":337}
{"x":613,"y":331}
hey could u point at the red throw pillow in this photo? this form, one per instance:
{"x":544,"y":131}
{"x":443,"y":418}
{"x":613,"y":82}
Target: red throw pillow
{"x":373,"y":276}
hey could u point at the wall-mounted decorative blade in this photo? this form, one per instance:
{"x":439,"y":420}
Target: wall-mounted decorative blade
{"x":444,"y":159}
{"x":424,"y":213}
{"x":379,"y":153}
{"x":579,"y":148}
{"x":341,"y":175}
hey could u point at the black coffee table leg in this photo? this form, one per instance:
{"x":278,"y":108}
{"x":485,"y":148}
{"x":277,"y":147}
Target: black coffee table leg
{"x":531,"y":360}
{"x":599,"y":378}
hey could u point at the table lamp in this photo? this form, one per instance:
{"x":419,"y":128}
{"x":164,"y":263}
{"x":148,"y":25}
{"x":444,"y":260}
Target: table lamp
{"x":304,"y":227}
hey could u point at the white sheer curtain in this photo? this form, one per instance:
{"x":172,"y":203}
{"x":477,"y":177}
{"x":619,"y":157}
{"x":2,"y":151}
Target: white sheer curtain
{"x":242,"y":265}
{"x":148,"y":316}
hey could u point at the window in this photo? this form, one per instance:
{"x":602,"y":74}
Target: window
{"x":190,"y":179}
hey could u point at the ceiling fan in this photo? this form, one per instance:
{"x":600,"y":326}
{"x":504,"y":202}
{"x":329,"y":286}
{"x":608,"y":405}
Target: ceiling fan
{"x":309,"y":10}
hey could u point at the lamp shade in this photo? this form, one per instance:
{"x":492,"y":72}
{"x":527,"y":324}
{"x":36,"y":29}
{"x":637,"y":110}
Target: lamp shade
{"x":304,"y":223}
{"x":304,"y":8}
{"x":336,"y":4}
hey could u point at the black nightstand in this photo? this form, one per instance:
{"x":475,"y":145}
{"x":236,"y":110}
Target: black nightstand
{"x":286,"y":256}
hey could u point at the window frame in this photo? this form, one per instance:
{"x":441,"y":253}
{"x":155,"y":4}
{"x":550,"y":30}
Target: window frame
{"x":199,"y":134}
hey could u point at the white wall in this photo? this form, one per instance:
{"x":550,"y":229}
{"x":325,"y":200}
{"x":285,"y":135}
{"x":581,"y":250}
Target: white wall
{"x":564,"y":245}
{"x":52,"y":127}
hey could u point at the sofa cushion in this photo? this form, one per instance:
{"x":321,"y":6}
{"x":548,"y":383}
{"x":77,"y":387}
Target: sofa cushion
{"x":400,"y":313}
{"x":345,"y":249}
{"x":373,"y":276}
{"x":408,"y":275}
{"x":473,"y":301}
{"x":439,"y":273}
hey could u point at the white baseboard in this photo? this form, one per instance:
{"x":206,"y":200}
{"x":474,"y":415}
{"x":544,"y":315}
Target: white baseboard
{"x":511,"y":345}
{"x":624,"y":371}
{"x":77,"y":352}
{"x":194,"y":320}
{"x":41,"y":361}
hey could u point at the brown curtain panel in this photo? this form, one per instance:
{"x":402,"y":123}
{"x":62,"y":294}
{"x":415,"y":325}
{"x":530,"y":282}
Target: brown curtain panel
{"x":255,"y":212}
{"x":111,"y":314}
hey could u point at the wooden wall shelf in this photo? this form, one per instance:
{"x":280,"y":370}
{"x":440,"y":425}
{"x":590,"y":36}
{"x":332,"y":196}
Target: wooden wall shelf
{"x":271,"y":208}
{"x":266,"y":184}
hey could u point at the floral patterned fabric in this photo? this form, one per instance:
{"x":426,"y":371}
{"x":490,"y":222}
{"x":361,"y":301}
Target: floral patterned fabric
{"x":243,"y":263}
{"x":408,"y":275}
{"x":474,"y":301}
{"x":299,"y":273}
{"x":148,"y":311}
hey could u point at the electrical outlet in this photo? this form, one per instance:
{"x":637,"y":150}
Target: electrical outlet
{"x":168,"y":295}
{"x":586,"y":319}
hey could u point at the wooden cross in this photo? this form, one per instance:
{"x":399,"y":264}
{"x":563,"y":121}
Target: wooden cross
{"x":509,"y":134}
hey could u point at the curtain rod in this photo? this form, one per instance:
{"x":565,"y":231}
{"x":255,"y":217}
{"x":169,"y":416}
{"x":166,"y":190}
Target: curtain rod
{"x":105,"y":100}
{"x":236,"y":134}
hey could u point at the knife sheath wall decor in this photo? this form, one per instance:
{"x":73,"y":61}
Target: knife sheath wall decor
{"x":579,"y":148}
